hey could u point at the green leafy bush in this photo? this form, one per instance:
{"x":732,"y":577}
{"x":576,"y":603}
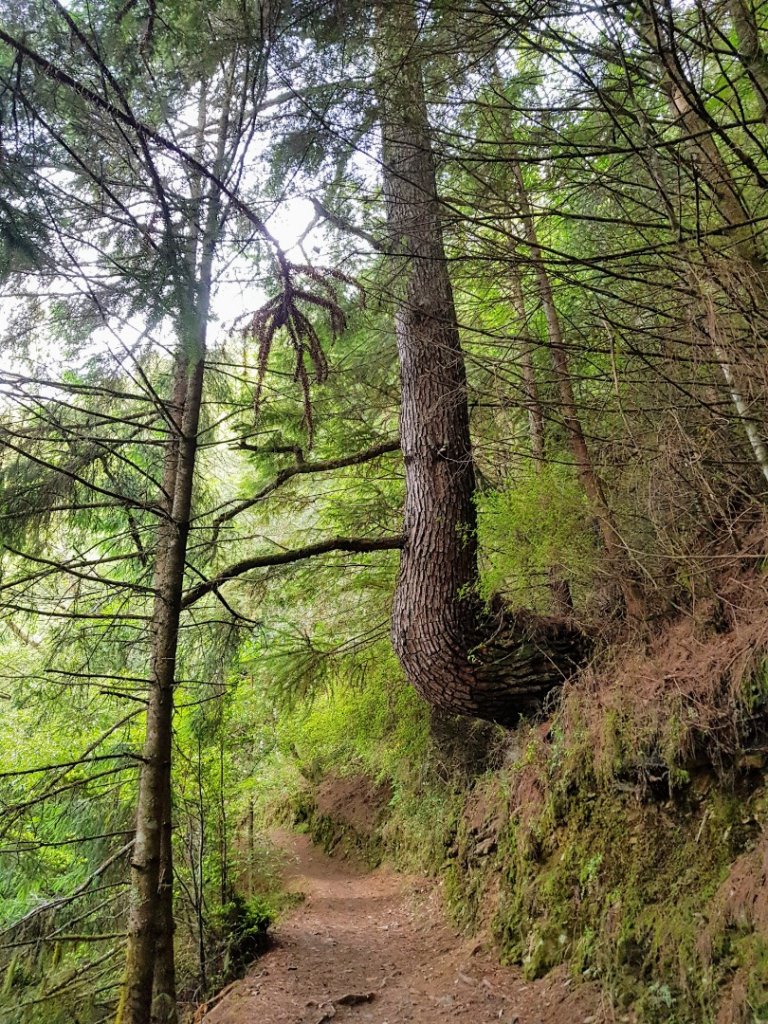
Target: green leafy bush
{"x":239,"y":933}
{"x":538,"y":523}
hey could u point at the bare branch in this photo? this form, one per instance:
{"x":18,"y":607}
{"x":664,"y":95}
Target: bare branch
{"x":302,"y":467}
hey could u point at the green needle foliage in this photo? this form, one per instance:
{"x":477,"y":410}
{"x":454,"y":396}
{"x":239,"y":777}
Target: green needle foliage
{"x":600,"y":177}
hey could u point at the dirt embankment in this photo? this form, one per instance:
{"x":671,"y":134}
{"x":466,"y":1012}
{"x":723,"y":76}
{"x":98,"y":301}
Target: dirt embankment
{"x":353,"y":801}
{"x":374,"y":948}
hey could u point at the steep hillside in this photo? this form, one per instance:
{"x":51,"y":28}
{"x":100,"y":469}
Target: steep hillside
{"x":624,"y":836}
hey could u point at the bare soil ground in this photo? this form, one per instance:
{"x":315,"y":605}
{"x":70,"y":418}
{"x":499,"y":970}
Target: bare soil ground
{"x":374,"y":948}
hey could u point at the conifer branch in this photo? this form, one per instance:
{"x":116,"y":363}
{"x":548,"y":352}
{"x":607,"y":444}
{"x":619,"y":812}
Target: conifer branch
{"x":353,"y":545}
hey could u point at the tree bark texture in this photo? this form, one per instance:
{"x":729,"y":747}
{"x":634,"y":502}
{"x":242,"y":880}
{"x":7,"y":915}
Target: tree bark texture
{"x":458,"y":656}
{"x":150,"y":922}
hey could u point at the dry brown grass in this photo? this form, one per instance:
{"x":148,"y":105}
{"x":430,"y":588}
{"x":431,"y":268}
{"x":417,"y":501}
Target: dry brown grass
{"x":690,"y":695}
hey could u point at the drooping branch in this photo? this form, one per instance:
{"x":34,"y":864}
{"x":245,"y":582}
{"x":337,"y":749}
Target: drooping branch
{"x":284,"y":311}
{"x":353,"y":545}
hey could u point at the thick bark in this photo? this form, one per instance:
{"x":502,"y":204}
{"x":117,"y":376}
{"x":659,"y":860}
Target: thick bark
{"x":459,"y":657}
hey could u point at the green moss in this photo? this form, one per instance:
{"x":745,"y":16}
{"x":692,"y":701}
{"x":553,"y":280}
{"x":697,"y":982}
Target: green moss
{"x":755,"y":691}
{"x":464,"y":876}
{"x":237,"y":934}
{"x":619,"y":891}
{"x":421,"y":826}
{"x":752,"y":955}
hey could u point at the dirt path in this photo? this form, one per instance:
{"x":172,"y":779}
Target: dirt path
{"x":373,"y":948}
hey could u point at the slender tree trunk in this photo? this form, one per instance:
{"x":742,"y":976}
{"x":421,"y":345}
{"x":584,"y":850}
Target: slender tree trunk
{"x":560,"y":590}
{"x":528,"y":372}
{"x":150,"y":902}
{"x":226,"y":892}
{"x":590,"y":480}
{"x":751,"y":51}
{"x":700,"y":141}
{"x":740,"y":404}
{"x":705,"y":154}
{"x":251,"y":839}
{"x":198,"y":874}
{"x":164,"y":976}
{"x":149,"y":991}
{"x":712,"y":330}
{"x":455,"y":655}
{"x":164,"y":982}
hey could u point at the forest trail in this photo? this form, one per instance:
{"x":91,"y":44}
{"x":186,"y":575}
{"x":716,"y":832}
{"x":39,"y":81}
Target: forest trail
{"x":374,"y":948}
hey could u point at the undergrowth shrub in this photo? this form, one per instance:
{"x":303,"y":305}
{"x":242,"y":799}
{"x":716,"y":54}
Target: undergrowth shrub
{"x":540,"y":521}
{"x":237,"y":933}
{"x":372,"y":723}
{"x":379,"y":726}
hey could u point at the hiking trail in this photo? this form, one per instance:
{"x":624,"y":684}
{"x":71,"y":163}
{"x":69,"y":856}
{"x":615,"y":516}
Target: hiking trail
{"x":373,"y":947}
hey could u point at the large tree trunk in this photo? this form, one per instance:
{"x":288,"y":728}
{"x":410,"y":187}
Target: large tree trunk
{"x":458,"y":656}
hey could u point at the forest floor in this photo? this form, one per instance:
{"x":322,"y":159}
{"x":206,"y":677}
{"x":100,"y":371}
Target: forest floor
{"x":373,"y":947}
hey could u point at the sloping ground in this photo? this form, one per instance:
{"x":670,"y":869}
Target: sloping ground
{"x":627,"y":836}
{"x":374,"y":948}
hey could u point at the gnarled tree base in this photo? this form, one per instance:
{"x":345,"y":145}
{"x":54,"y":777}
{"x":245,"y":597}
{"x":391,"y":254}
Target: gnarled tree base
{"x":502,"y":678}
